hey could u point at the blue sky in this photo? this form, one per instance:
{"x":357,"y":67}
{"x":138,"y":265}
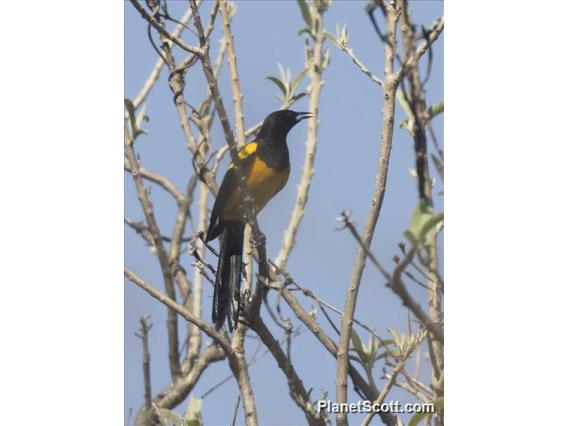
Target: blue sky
{"x":349,"y":139}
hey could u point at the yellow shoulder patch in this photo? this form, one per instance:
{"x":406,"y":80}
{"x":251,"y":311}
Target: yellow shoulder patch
{"x":245,"y":152}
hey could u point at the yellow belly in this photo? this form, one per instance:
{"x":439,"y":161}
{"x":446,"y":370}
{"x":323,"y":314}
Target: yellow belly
{"x":263,"y":184}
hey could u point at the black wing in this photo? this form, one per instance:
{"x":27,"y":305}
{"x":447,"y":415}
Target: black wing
{"x":227,"y":188}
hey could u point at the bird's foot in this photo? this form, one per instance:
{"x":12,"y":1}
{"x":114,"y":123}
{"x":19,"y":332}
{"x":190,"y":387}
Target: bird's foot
{"x":258,"y":240}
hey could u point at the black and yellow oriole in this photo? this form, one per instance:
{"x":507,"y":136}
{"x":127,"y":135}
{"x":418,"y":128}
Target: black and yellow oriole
{"x":265,"y":165}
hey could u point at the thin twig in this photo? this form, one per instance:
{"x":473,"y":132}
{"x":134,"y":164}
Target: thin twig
{"x":194,"y":334}
{"x":432,"y":37}
{"x":143,"y":335}
{"x":177,"y":85}
{"x":388,"y":386}
{"x":155,"y":73}
{"x":234,"y":73}
{"x":162,"y":30}
{"x":296,"y":388}
{"x":157,"y":178}
{"x":234,"y":421}
{"x":347,"y":49}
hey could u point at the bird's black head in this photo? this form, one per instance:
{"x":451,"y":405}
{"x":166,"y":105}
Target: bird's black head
{"x":278,"y":124}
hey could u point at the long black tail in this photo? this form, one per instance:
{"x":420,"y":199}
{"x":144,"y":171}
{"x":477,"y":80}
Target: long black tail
{"x":226,"y":296}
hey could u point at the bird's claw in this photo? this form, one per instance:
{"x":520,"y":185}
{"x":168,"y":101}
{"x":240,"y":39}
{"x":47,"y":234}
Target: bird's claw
{"x":258,"y":240}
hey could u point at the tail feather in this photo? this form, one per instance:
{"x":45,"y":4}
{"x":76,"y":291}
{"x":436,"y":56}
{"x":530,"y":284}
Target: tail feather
{"x":226,"y":296}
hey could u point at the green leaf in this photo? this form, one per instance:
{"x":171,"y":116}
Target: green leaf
{"x":355,"y":358}
{"x":408,"y":124}
{"x":397,"y":336}
{"x":297,"y":96}
{"x":333,"y":39}
{"x":439,"y":404}
{"x":304,"y":30}
{"x":131,"y":113}
{"x":193,"y":412}
{"x":326,"y":59}
{"x":379,"y":356}
{"x":284,"y":74}
{"x":306,"y":14}
{"x":435,"y":109}
{"x":343,"y":35}
{"x":202,"y":107}
{"x":170,"y":416}
{"x":410,"y":237}
{"x":431,"y":223}
{"x":416,"y":418}
{"x":439,"y":164}
{"x":357,"y":342}
{"x":422,"y":213}
{"x":139,"y":132}
{"x":383,"y":343}
{"x":141,"y":117}
{"x":278,"y":83}
{"x":298,"y":79}
{"x":401,"y":97}
{"x":405,"y":124}
{"x":423,"y":220}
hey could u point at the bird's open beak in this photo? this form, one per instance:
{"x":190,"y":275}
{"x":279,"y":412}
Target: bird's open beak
{"x":302,"y":115}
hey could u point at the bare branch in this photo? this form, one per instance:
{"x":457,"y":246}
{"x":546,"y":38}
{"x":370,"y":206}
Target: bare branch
{"x":176,"y":392}
{"x":147,"y":207}
{"x":234,"y":72}
{"x":390,"y":87}
{"x":181,"y":220}
{"x":194,"y":335}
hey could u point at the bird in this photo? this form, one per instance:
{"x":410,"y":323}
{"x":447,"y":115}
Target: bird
{"x":265,"y":165}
